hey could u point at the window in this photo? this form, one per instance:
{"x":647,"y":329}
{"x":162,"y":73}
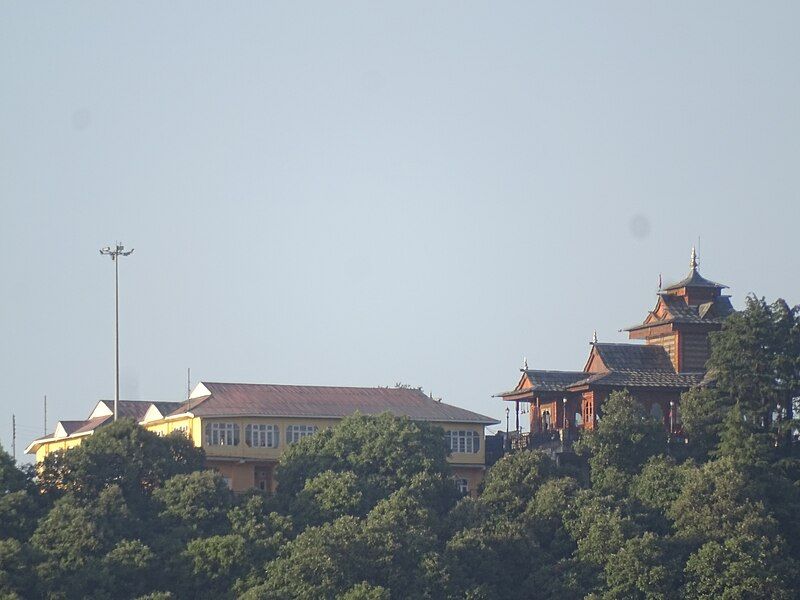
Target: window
{"x":463,"y":486}
{"x":464,"y":442}
{"x":261,"y":436}
{"x":578,"y":419}
{"x":295,"y":433}
{"x":222,"y":434}
{"x":183,"y":430}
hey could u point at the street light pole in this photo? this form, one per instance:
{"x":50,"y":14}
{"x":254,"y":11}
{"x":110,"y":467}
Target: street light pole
{"x":115,"y":253}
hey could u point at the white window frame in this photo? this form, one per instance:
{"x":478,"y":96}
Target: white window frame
{"x":295,"y":433}
{"x":262,"y":435}
{"x":222,"y":434}
{"x":463,"y":441}
{"x":462,"y":485}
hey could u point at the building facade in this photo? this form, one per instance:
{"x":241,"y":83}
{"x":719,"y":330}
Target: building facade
{"x":244,"y":428}
{"x":671,"y":360}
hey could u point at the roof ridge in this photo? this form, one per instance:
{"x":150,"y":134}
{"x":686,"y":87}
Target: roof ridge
{"x":303,"y":385}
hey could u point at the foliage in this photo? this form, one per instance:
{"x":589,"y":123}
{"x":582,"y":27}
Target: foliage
{"x":625,"y":437}
{"x":121,"y":454}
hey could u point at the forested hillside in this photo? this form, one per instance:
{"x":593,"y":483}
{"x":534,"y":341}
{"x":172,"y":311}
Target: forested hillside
{"x":368,"y":510}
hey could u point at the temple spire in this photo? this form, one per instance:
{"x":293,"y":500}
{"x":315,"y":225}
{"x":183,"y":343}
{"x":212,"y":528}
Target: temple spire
{"x":693,"y":261}
{"x":594,"y":337}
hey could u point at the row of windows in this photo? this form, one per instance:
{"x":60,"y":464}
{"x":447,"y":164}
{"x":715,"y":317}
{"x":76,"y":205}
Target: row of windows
{"x":255,"y":435}
{"x":465,"y":442}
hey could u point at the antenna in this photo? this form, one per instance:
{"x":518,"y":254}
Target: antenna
{"x":14,"y":437}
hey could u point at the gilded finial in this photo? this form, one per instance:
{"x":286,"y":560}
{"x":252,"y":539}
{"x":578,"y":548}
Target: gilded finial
{"x":693,"y":262}
{"x":594,"y":337}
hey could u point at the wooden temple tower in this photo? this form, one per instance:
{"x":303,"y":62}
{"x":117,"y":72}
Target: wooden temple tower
{"x":670,"y":361}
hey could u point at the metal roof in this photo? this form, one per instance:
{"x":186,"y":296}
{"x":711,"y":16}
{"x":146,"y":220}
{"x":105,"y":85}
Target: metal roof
{"x":247,"y":399}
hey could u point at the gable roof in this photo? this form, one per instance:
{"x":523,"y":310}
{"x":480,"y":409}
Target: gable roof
{"x":633,"y":357}
{"x":553,"y":381}
{"x":102,"y":414}
{"x":65,"y":428}
{"x":249,"y":399}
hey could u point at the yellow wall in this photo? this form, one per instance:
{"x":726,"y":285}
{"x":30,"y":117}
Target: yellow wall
{"x":245,"y":451}
{"x":474,"y":475}
{"x":241,"y":474}
{"x":456,"y":458}
{"x":167,"y":427}
{"x":56,"y":445}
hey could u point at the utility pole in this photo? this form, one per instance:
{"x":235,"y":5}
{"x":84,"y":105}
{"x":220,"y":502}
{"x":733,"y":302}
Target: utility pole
{"x":45,"y":414}
{"x":188,"y":381}
{"x":14,"y":437}
{"x":115,"y":253}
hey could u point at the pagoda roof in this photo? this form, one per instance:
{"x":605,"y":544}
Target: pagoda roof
{"x":678,"y":311}
{"x":694,"y":280}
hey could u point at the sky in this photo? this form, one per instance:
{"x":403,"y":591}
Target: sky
{"x":361,"y":193}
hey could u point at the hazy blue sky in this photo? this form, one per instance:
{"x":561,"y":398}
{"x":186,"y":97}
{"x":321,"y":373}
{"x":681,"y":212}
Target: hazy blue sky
{"x":363,"y":193}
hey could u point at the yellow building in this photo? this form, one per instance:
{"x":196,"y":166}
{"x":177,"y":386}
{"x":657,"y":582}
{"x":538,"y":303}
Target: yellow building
{"x":244,"y":428}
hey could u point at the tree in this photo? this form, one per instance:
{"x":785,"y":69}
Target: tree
{"x":645,"y":568}
{"x":127,"y":569}
{"x":513,"y":481}
{"x":69,"y":544}
{"x":216,"y":563}
{"x":383,"y":453}
{"x":196,"y":501}
{"x":16,"y":578}
{"x":625,"y":437}
{"x":748,"y":564}
{"x":122,"y":454}
{"x":702,"y":413}
{"x":321,"y":562}
{"x":365,"y":591}
{"x":755,"y":362}
{"x":19,"y":506}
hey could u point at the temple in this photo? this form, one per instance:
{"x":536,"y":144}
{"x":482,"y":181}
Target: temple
{"x":670,"y":361}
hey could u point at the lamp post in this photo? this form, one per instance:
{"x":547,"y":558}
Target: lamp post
{"x":507,"y":411}
{"x":671,"y":418}
{"x":115,"y":253}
